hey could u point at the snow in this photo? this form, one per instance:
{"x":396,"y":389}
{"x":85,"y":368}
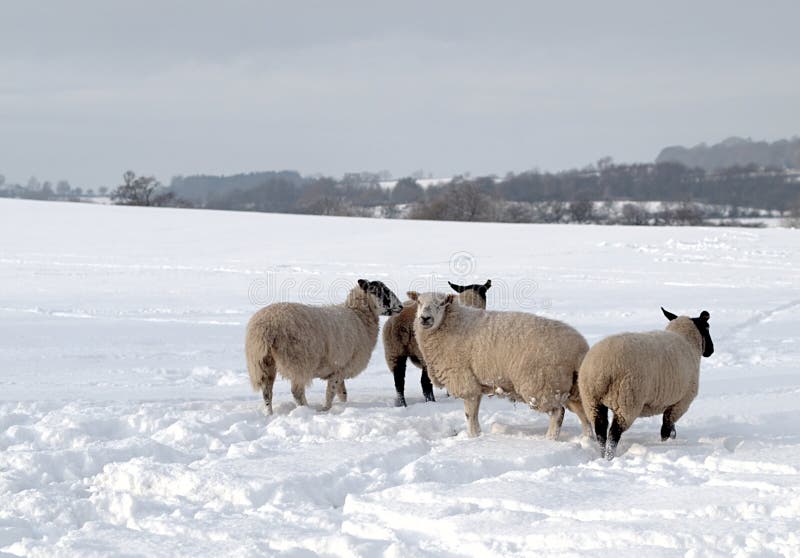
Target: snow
{"x":424,"y":182}
{"x":127,"y":423}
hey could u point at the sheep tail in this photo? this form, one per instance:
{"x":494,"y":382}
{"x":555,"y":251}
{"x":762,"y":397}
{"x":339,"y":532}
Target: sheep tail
{"x":258,"y":353}
{"x":590,"y":394}
{"x":574,"y":392}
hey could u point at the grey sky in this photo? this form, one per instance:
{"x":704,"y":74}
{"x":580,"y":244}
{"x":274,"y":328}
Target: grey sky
{"x":89,"y":89}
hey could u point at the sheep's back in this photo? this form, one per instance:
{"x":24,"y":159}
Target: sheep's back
{"x":313,"y":339}
{"x":517,"y":338}
{"x":528,"y":356}
{"x":539,"y":356}
{"x":398,"y":332}
{"x":654,"y":369}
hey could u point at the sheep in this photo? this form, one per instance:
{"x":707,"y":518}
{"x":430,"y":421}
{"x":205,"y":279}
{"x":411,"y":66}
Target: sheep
{"x":305,"y":342}
{"x":643,"y":374}
{"x":399,"y":343}
{"x":517,"y":355}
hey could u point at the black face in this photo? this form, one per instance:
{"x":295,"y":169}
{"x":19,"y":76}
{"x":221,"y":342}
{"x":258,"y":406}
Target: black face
{"x":701,"y":323}
{"x":389,"y":302}
{"x":480,"y":289}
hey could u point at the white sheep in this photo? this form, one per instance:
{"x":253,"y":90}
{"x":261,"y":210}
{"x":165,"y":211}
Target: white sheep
{"x":517,"y":355}
{"x":305,"y":342}
{"x":400,"y":345}
{"x":643,"y":374}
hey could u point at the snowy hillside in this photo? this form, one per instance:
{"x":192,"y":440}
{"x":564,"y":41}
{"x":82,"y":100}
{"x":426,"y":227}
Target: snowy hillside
{"x":128,"y":425}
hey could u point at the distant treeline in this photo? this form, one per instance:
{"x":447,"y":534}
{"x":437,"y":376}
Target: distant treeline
{"x":732,"y":151}
{"x":363,"y":193}
{"x":601,"y":193}
{"x":36,"y":190}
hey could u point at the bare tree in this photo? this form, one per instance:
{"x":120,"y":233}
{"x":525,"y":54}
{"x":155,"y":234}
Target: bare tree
{"x":321,"y":197}
{"x":407,"y":190}
{"x":551,"y":212}
{"x":144,"y":191}
{"x":33,"y":185}
{"x":461,"y":201}
{"x":581,"y":211}
{"x":63,"y":188}
{"x":689,"y":213}
{"x":468,"y":203}
{"x":634,"y":214}
{"x":793,"y":220}
{"x":518,"y":212}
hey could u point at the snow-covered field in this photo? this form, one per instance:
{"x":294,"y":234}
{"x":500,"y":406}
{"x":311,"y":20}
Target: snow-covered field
{"x":127,"y":424}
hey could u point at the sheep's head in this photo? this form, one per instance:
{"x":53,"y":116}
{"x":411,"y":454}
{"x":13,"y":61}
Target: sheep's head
{"x":385,"y":300}
{"x":701,"y":323}
{"x":472,"y":295}
{"x":430,"y":308}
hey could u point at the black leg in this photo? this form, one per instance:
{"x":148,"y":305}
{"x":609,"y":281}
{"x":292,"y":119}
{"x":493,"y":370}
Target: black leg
{"x":427,"y":386}
{"x":601,"y":426}
{"x":667,"y":427}
{"x":399,"y":372}
{"x":614,"y":433}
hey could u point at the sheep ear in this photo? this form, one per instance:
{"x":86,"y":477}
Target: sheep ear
{"x":670,"y":316}
{"x":488,"y":284}
{"x":364,"y":284}
{"x":449,"y":299}
{"x":413,"y":295}
{"x":705,"y":316}
{"x":456,"y":288}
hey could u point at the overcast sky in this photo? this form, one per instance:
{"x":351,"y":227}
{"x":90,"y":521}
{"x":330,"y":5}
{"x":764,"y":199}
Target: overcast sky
{"x":89,"y":89}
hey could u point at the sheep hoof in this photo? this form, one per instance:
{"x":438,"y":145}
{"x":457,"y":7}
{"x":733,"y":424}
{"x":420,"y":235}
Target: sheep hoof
{"x":610,"y":452}
{"x":601,"y":446}
{"x":400,"y":401}
{"x":668,"y":435}
{"x":430,"y":397}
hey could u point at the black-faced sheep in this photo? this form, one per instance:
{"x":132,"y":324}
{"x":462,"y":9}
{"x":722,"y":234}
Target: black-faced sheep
{"x":517,"y":355}
{"x":304,"y":342}
{"x":643,"y":374}
{"x":400,"y":345}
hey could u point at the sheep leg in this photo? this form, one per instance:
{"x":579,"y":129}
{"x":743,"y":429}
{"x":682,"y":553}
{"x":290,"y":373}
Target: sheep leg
{"x":399,"y":372}
{"x":471,"y":411}
{"x":299,"y":394}
{"x":601,"y":426}
{"x":577,"y":408}
{"x":427,"y":386}
{"x":556,"y":420}
{"x":667,"y":426}
{"x":267,"y":381}
{"x":672,"y":415}
{"x":333,"y":387}
{"x":341,"y":392}
{"x":618,"y":426}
